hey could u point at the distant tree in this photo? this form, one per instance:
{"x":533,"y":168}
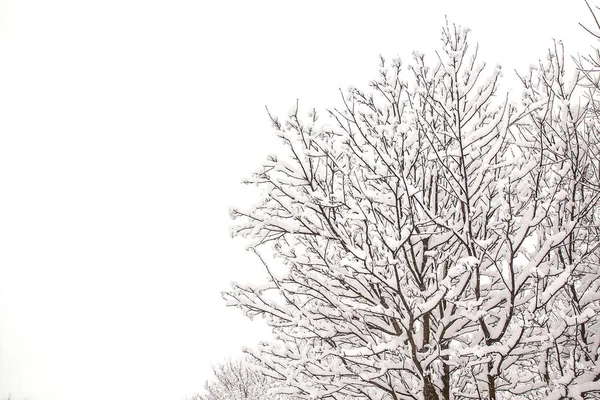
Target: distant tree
{"x":434,"y":240}
{"x":237,"y":380}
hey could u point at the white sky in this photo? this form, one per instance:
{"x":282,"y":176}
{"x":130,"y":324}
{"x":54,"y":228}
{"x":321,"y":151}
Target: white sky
{"x":125,"y":129}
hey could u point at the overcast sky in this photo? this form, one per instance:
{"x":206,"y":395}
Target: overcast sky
{"x":125,"y":129}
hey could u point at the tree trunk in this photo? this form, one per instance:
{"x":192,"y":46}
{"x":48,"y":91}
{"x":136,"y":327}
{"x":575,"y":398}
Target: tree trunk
{"x":491,"y":383}
{"x":429,"y":392}
{"x":446,"y":377}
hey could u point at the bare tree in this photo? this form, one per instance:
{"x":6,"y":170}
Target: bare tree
{"x":438,"y":242}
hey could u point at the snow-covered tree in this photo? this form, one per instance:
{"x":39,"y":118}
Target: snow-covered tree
{"x":237,"y":380}
{"x":429,"y":239}
{"x":567,"y":302}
